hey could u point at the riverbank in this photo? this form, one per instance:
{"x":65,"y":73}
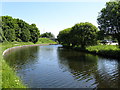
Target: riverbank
{"x":9,"y":77}
{"x":23,"y":46}
{"x":108,"y":51}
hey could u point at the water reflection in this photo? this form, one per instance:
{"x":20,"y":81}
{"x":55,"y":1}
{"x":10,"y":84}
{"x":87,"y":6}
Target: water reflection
{"x":54,"y":67}
{"x":22,"y":57}
{"x":100,"y":72}
{"x":108,"y":73}
{"x":81,"y":65}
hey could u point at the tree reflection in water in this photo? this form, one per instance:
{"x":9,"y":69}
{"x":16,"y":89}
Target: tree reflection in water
{"x":21,"y":57}
{"x":101,"y":72}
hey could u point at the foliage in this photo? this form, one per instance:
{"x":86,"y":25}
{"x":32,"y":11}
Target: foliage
{"x":47,"y":35}
{"x":45,"y":41}
{"x":9,"y":77}
{"x":105,"y":50}
{"x":109,"y":19}
{"x":82,"y":34}
{"x":1,"y":35}
{"x":100,"y":35}
{"x":34,"y":33}
{"x":18,"y":30}
{"x":85,"y":34}
{"x":64,"y":37}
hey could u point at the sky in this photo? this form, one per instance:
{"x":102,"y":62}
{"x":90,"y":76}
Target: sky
{"x":54,"y":16}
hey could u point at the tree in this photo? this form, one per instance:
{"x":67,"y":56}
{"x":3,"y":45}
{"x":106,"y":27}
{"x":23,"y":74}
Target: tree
{"x":64,"y":37}
{"x":1,"y":35}
{"x":17,"y":30}
{"x":23,"y":32}
{"x":34,"y":33}
{"x":1,"y":32}
{"x":47,"y":35}
{"x":10,"y":35}
{"x":84,"y":34}
{"x":100,"y":35}
{"x":109,"y":19}
{"x":8,"y":32}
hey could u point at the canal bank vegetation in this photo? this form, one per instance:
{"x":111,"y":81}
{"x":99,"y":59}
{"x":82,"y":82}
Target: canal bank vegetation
{"x":9,"y":77}
{"x":45,"y":41}
{"x":86,"y":37}
{"x":12,"y":29}
{"x":111,"y":51}
{"x":16,"y":32}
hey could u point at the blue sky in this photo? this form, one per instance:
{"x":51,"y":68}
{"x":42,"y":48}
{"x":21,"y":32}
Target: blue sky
{"x":53,"y":16}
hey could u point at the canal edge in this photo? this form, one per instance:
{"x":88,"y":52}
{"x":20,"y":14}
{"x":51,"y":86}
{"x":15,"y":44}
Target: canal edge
{"x":12,"y":48}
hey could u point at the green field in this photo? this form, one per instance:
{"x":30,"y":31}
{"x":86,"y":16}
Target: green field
{"x":9,"y":77}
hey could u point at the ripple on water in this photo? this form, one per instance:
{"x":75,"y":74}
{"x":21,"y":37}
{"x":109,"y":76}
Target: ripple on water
{"x":52,"y":67}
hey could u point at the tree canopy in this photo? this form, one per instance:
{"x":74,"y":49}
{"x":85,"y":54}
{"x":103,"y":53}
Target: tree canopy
{"x":47,"y":35}
{"x":81,"y":34}
{"x":18,"y":30}
{"x":64,"y":37}
{"x":109,"y":19}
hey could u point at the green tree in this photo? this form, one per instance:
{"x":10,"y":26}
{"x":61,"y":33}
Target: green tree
{"x":47,"y":35}
{"x":18,"y":30}
{"x":109,"y":19}
{"x":64,"y":37}
{"x":84,"y":34}
{"x":35,"y":33}
{"x":8,"y":28}
{"x":100,"y":35}
{"x":10,"y":35}
{"x":23,"y":30}
{"x":1,"y":34}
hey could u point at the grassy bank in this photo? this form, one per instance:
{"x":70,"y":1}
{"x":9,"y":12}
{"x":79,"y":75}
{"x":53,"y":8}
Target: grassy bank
{"x":45,"y":41}
{"x":105,"y":50}
{"x":9,"y":77}
{"x":108,"y":51}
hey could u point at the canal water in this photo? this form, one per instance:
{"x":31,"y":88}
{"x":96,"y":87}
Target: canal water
{"x":54,"y":67}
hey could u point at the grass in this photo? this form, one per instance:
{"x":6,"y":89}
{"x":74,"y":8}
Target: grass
{"x":8,"y":75}
{"x":105,"y":50}
{"x":45,"y":41}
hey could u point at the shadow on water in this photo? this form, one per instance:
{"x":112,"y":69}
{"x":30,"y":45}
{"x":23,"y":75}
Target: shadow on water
{"x":54,"y":67}
{"x":98,"y":71}
{"x":22,"y":57}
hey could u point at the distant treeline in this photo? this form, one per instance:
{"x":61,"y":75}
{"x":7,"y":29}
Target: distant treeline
{"x":12,"y":29}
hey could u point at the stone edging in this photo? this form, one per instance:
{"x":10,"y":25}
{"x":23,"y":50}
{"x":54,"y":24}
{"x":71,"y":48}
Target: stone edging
{"x":12,"y":48}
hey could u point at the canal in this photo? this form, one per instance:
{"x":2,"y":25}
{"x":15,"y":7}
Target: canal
{"x":54,"y":67}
